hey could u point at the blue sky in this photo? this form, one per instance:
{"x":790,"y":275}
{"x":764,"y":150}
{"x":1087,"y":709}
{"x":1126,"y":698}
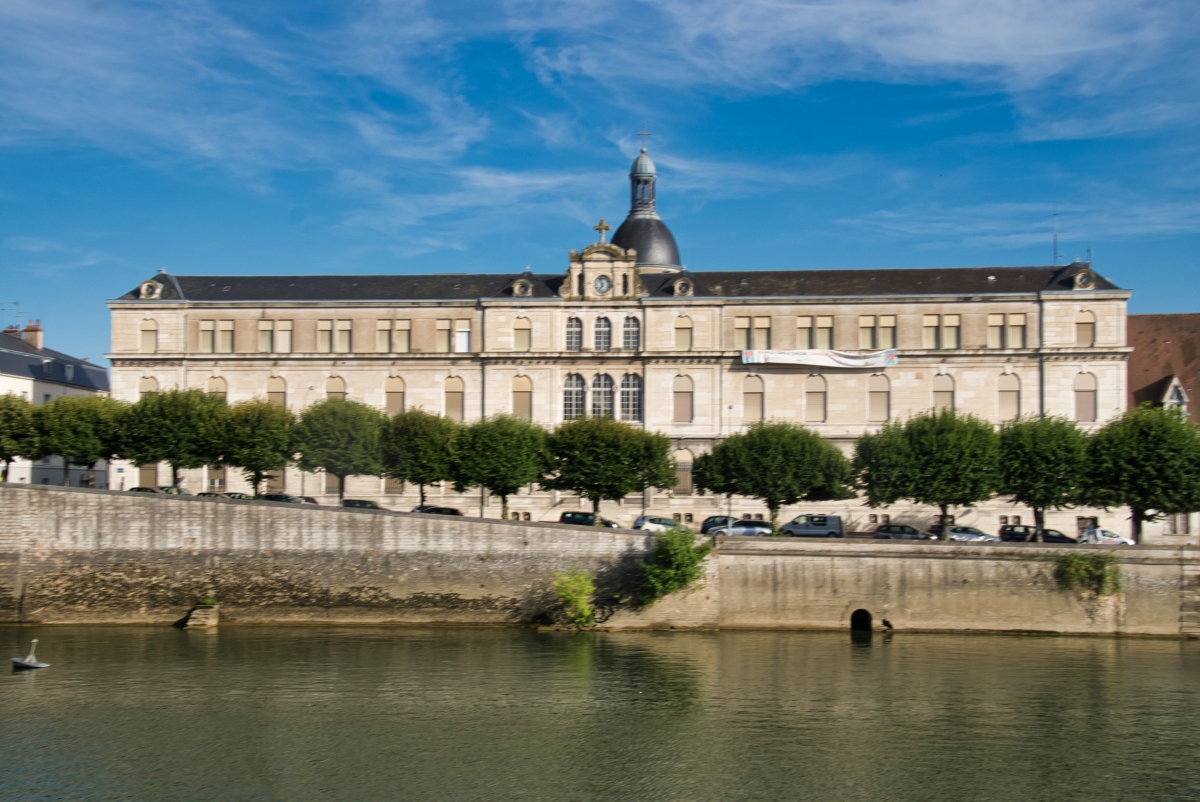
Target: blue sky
{"x":363,"y":137}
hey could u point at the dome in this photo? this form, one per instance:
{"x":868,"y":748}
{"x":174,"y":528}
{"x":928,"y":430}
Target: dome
{"x":651,"y":238}
{"x":642,"y":166}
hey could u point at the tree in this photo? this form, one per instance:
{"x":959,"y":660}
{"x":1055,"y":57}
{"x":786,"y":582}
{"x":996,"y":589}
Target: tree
{"x":1148,"y":460}
{"x":183,"y":428}
{"x":605,"y":460}
{"x":1042,"y":465}
{"x":82,"y":429}
{"x":501,"y":454}
{"x":941,"y":458}
{"x":258,"y":439}
{"x":342,"y":438}
{"x":18,"y":431}
{"x":419,"y":448}
{"x":777,"y":463}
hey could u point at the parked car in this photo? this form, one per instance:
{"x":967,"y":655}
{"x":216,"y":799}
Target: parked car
{"x":143,"y":490}
{"x":584,"y":519}
{"x":1020,"y":533}
{"x":434,"y":509}
{"x":360,"y":504}
{"x":713,"y":521}
{"x":310,"y":500}
{"x":653,"y":523}
{"x":1103,"y":537}
{"x":743,"y":528}
{"x":814,"y":526}
{"x":226,"y":496}
{"x":281,"y":497}
{"x":899,"y":532}
{"x":969,"y":534}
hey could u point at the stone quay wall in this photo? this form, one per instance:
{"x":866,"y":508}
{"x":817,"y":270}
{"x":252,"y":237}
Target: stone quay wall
{"x":86,"y":556}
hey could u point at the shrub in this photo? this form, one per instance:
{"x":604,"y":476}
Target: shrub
{"x":674,"y":564}
{"x":1098,"y":573}
{"x":574,"y":589}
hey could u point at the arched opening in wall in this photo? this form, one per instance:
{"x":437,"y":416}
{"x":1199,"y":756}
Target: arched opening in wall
{"x":149,"y":337}
{"x":216,"y":386}
{"x":1085,"y":398}
{"x":880,"y":401}
{"x":943,"y":392}
{"x":335,"y":387}
{"x":574,"y":391}
{"x":683,"y":333}
{"x":1085,"y":329}
{"x":574,"y":334}
{"x":148,"y":384}
{"x":683,"y":399}
{"x":683,"y":472}
{"x":1009,"y":387}
{"x":752,"y":399}
{"x":632,"y":335}
{"x":631,"y":397}
{"x":522,"y":397}
{"x":814,"y":399}
{"x":860,"y":621}
{"x":602,"y":396}
{"x":454,"y":398}
{"x":602,"y":334}
{"x":393,"y":395}
{"x":277,"y":391}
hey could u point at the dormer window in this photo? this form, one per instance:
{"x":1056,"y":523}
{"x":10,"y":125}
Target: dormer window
{"x":150,"y":291}
{"x":683,"y":287}
{"x":522,"y":289}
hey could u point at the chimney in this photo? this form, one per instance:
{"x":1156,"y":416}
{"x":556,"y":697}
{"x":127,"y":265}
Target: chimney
{"x":33,"y":334}
{"x":13,"y":331}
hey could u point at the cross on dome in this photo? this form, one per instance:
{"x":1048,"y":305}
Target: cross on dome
{"x":602,"y":227}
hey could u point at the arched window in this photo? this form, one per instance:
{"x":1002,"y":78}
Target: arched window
{"x":574,"y":334}
{"x":454,"y":398}
{"x":277,"y":391}
{"x":1085,"y":398}
{"x":683,"y":333}
{"x":683,"y":472}
{"x":602,"y":396}
{"x":522,"y":334}
{"x":393,"y":395}
{"x":814,"y":399}
{"x":602,"y":334}
{"x":574,"y":390}
{"x":633,"y":334}
{"x":879,"y":389}
{"x":335,"y":387}
{"x":1009,"y":387}
{"x":683,"y":399}
{"x":216,"y":386}
{"x":943,"y":392}
{"x":631,"y":397}
{"x":752,"y":399}
{"x":522,"y":400}
{"x":149,"y":384}
{"x":625,"y":284}
{"x":1085,"y":329}
{"x":149,"y":341}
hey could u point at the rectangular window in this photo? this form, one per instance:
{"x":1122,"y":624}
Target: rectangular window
{"x":283,"y":336}
{"x":148,"y":475}
{"x":332,"y":484}
{"x":814,"y":407}
{"x":277,"y":397}
{"x":683,"y":339}
{"x":342,"y":341}
{"x":392,"y":487}
{"x":1177,"y":525}
{"x":804,"y":333}
{"x":752,"y":407}
{"x":462,"y":336}
{"x":741,"y":333}
{"x":824,"y":333}
{"x":1010,"y":404}
{"x":383,"y":336}
{"x":395,"y":402}
{"x":1085,"y":334}
{"x":224,"y":336}
{"x":683,"y":477}
{"x":454,"y":406}
{"x":266,"y":336}
{"x":523,"y":338}
{"x":216,"y":477}
{"x":325,"y":336}
{"x":402,"y":337}
{"x":1085,"y":406}
{"x":866,"y":332}
{"x":879,"y":406}
{"x":208,"y":336}
{"x":762,"y":333}
{"x":275,"y":482}
{"x":995,"y":331}
{"x":523,"y":404}
{"x":887,"y":332}
{"x":443,"y":336}
{"x":1016,"y":331}
{"x":683,"y":407}
{"x":930,"y":325}
{"x":951,"y":331}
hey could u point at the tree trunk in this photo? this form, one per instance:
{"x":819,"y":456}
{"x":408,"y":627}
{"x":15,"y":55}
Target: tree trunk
{"x":596,"y":511}
{"x":257,"y":478}
{"x":422,"y":488}
{"x":1039,"y":523}
{"x":91,"y":475}
{"x":66,"y":472}
{"x":945,"y":522}
{"x":341,"y":488}
{"x":504,"y":508}
{"x":1136,"y":518}
{"x":7,"y":467}
{"x":774,"y":508}
{"x":174,"y":477}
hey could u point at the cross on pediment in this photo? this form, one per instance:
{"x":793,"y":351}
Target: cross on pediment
{"x":602,"y":227}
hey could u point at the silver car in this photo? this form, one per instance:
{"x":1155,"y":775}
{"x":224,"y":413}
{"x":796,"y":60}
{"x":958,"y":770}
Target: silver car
{"x":743,"y":529}
{"x":969,"y":534}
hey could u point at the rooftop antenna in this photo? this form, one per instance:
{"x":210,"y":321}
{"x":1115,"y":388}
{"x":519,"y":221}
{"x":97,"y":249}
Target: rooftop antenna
{"x":1056,"y":253}
{"x":10,"y":309}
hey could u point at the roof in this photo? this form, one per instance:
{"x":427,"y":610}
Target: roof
{"x":1164,"y":346}
{"x":650,"y":237}
{"x":20,"y":359}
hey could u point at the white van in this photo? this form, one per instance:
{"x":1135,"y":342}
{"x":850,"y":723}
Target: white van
{"x":814,"y":526}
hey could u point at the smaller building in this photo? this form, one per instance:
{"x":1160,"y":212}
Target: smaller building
{"x":30,"y":370}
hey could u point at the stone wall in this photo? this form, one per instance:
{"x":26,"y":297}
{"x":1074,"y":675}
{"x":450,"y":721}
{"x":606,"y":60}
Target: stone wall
{"x":71,"y":555}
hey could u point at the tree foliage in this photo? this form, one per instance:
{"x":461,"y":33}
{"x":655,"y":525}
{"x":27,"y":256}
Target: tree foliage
{"x":605,"y":460}
{"x":183,"y":428}
{"x":942,"y":458}
{"x":258,"y":439}
{"x":675,"y":563}
{"x":18,"y":430}
{"x":501,"y":454}
{"x":419,"y":448}
{"x":342,"y":438}
{"x":1042,"y":464}
{"x":574,"y":590}
{"x":1148,"y":460}
{"x":82,"y":429}
{"x":779,"y":463}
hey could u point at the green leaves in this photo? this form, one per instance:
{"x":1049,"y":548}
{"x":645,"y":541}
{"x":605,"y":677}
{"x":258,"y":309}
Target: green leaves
{"x":258,"y":439}
{"x":420,"y":448}
{"x":675,"y":563}
{"x":184,"y":428}
{"x":18,"y":431}
{"x":342,"y":438}
{"x":603,"y":459}
{"x":502,"y":454}
{"x":1043,"y":463}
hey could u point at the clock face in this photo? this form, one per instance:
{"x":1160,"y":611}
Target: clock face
{"x":602,"y":284}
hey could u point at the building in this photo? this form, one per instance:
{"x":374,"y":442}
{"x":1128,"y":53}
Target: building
{"x":627,"y":330}
{"x":30,"y":370}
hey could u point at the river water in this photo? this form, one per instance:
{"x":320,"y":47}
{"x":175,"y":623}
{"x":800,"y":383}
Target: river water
{"x":316,"y":713}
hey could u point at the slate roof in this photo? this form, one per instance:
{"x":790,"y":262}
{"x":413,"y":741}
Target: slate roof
{"x":715,"y":284}
{"x":19,"y":358}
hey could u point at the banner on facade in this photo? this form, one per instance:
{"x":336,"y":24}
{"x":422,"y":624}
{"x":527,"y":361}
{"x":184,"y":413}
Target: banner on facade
{"x":822,"y":358}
